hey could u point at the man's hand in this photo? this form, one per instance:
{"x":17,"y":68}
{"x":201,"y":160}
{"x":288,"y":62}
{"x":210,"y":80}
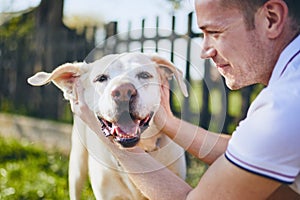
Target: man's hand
{"x":78,"y":105}
{"x":164,"y":112}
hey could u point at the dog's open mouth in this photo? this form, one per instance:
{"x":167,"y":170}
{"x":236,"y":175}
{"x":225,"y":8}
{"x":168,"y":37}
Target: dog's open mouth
{"x":127,"y":129}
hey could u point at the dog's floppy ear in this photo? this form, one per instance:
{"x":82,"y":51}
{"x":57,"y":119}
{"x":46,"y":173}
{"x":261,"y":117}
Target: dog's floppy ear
{"x":63,"y":77}
{"x":170,"y":70}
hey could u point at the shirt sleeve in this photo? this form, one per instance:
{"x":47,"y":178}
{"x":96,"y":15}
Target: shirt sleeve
{"x":267,"y":142}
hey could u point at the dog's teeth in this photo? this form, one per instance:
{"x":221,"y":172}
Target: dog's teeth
{"x":107,"y":133}
{"x":113,"y":130}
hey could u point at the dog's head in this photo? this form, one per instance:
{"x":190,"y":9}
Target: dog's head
{"x":123,"y":90}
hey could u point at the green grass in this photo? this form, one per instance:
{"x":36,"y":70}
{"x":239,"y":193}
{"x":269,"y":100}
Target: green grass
{"x":27,"y":172}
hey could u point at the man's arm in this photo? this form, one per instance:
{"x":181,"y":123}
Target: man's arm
{"x":223,"y":180}
{"x":203,"y":144}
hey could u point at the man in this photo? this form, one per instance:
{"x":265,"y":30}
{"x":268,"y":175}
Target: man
{"x":250,"y":42}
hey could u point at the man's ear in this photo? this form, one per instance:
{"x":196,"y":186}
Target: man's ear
{"x":63,"y":77}
{"x":276,"y":12}
{"x":168,"y":70}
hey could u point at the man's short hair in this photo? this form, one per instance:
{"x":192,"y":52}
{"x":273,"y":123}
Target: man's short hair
{"x":249,"y":8}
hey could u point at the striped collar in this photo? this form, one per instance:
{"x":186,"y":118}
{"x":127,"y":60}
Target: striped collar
{"x":286,"y":57}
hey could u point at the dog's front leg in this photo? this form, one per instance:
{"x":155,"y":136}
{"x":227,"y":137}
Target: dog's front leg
{"x":78,"y":163}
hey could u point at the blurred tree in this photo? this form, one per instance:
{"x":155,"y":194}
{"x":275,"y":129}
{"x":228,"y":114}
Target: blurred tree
{"x":32,"y":42}
{"x":80,"y":22}
{"x":15,"y":38}
{"x":175,"y":3}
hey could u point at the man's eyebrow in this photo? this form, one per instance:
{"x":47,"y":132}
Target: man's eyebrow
{"x":208,"y":25}
{"x":211,"y":26}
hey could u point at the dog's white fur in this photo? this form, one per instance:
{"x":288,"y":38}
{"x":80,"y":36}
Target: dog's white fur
{"x":88,"y":155}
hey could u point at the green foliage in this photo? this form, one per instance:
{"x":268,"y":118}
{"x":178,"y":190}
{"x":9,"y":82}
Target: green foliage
{"x":195,"y":170}
{"x":7,"y":106}
{"x":29,"y":172}
{"x":17,"y":30}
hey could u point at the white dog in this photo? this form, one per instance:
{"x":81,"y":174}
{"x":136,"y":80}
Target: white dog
{"x":123,"y":90}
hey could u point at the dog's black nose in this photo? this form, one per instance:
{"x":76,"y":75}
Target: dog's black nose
{"x":123,"y":92}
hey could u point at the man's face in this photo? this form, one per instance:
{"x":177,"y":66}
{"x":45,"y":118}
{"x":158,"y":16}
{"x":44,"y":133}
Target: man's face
{"x":239,"y":54}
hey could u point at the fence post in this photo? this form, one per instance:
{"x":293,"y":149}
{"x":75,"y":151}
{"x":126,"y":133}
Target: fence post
{"x":205,"y":114}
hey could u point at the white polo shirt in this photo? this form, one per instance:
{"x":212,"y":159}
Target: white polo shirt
{"x":267,"y":141}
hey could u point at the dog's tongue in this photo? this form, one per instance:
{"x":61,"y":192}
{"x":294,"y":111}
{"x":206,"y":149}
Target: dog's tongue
{"x":126,"y":127}
{"x":126,"y":131}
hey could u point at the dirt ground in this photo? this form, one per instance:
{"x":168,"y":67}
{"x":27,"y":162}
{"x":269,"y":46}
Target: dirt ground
{"x":51,"y":135}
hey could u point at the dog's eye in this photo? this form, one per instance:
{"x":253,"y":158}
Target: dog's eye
{"x":144,"y":75}
{"x":101,"y":78}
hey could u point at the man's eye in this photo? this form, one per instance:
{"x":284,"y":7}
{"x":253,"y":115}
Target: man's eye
{"x":144,"y":75}
{"x":101,"y":78}
{"x":213,"y":33}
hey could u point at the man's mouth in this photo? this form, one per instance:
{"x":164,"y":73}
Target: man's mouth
{"x":222,"y":65}
{"x":127,"y":129}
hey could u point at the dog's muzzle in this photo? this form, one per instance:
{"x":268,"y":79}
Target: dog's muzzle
{"x":127,"y":129}
{"x":127,"y":125}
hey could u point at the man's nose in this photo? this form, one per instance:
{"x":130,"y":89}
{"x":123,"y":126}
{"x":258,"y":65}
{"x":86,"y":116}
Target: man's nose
{"x":207,"y":51}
